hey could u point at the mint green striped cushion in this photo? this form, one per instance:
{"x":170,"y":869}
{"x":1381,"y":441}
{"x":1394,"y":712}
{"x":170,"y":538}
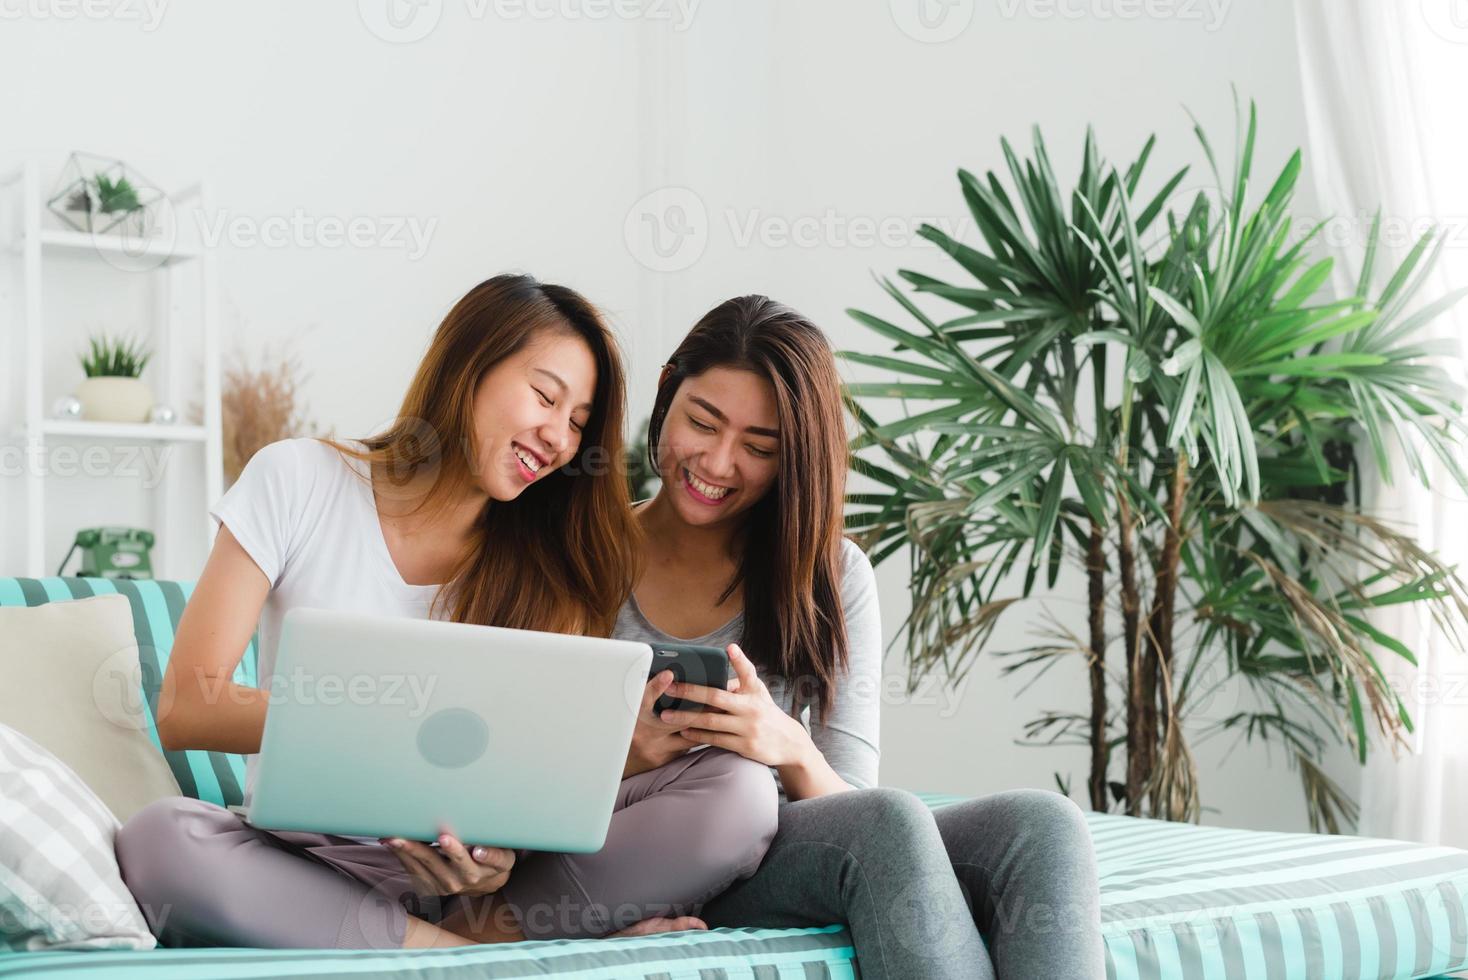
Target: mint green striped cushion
{"x":217,"y":777}
{"x":1195,"y":903}
{"x":764,"y":954}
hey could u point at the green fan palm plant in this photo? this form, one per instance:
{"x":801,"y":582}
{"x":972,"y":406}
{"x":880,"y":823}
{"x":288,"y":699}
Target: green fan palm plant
{"x":1178,"y":421}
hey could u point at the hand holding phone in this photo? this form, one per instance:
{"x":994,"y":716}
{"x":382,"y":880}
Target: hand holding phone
{"x":690,"y":664}
{"x":654,"y":741}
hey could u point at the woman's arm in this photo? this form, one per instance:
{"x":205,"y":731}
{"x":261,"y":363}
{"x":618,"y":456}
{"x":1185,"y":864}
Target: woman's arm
{"x":811,"y":776}
{"x":200,"y":706}
{"x":843,"y":746}
{"x":842,"y":752}
{"x":849,"y":738}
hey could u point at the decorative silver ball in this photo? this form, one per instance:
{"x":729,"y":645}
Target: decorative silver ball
{"x":162,"y":415}
{"x":68,"y":407}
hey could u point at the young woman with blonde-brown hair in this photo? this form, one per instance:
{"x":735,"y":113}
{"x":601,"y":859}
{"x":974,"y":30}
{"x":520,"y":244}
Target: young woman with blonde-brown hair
{"x":497,"y":497}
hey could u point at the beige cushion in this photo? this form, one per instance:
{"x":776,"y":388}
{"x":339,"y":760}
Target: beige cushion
{"x":70,"y":679}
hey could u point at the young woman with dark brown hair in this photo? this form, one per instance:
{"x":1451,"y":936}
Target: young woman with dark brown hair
{"x":743,"y":548}
{"x":497,"y":497}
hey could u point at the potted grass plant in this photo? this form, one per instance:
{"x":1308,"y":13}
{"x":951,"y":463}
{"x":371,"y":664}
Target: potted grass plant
{"x":114,"y":390}
{"x":1181,"y":424}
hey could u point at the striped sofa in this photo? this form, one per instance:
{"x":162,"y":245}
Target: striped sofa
{"x":1178,"y":901}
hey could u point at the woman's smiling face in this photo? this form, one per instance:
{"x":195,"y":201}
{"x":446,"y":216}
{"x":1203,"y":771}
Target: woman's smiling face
{"x":718,"y":453}
{"x":530,"y":410}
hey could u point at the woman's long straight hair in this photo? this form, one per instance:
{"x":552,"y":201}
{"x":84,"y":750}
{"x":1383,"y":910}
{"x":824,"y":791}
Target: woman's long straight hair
{"x":790,"y":566}
{"x":560,"y":557}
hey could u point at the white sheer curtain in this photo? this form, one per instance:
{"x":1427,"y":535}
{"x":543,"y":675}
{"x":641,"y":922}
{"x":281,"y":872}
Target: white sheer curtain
{"x":1378,"y":77}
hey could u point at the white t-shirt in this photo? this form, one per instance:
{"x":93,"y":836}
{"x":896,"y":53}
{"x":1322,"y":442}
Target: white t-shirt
{"x":304,"y":514}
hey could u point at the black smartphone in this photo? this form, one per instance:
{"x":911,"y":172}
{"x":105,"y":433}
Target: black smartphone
{"x":690,"y":664}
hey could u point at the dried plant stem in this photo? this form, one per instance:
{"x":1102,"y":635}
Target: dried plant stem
{"x":260,"y":405}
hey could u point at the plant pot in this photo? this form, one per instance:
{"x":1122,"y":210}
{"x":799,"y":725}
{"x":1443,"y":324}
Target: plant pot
{"x":95,"y":221}
{"x":115,"y":399}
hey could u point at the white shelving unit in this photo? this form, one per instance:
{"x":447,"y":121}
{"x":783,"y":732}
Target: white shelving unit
{"x":163,"y":263}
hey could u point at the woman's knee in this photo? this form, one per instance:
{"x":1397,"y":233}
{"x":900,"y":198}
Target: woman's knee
{"x":1057,"y":816}
{"x":1048,"y":819}
{"x":162,"y":851}
{"x":891,"y":815}
{"x":745,"y":805}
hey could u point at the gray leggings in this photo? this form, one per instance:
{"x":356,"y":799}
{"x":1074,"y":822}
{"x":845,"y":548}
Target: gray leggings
{"x":679,"y":835}
{"x":917,"y":888}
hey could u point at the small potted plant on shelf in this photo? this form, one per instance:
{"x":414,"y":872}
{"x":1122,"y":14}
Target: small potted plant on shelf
{"x":99,"y":194}
{"x":114,"y":390}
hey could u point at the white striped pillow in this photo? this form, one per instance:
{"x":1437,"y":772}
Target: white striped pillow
{"x":60,"y":887}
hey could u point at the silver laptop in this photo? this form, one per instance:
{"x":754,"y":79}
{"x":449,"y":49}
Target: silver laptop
{"x":396,"y":727}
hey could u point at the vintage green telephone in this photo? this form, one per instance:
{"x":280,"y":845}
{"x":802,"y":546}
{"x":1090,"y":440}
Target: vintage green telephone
{"x":112,"y":552}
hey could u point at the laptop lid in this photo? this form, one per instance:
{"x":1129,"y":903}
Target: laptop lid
{"x":389,"y":726}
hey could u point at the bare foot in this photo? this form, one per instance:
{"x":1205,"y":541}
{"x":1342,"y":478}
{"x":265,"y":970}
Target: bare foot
{"x":426,"y":935}
{"x":656,"y":924}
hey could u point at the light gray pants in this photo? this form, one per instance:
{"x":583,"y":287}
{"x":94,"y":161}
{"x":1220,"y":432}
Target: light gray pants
{"x":679,"y":835}
{"x":1000,"y":886}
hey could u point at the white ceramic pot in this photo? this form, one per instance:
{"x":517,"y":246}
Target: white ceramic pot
{"x":115,"y":399}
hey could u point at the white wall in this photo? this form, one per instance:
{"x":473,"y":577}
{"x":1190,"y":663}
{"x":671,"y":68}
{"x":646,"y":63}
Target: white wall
{"x":529,"y":142}
{"x":509,"y":145}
